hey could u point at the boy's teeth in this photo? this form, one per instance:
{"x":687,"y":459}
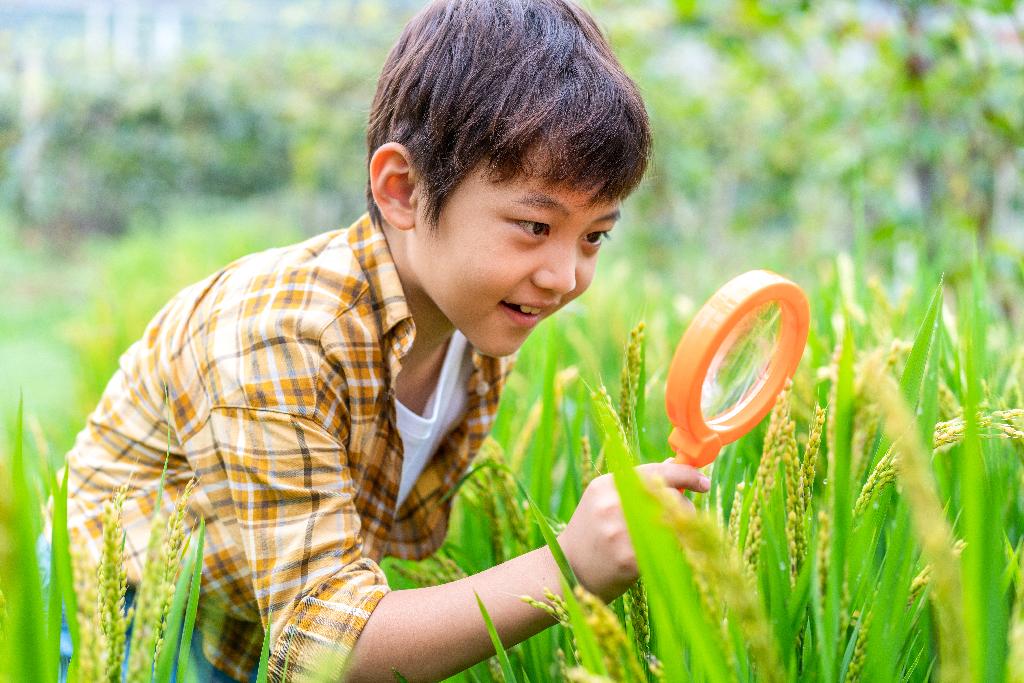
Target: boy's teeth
{"x":525,"y":309}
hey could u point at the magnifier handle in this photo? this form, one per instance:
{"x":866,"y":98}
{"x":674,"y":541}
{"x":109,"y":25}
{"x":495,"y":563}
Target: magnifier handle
{"x":690,"y":451}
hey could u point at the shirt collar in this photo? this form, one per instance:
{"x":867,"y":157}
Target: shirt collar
{"x":371,"y":250}
{"x":389,"y":304}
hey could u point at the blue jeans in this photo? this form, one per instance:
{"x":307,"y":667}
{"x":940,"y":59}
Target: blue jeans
{"x":203,"y":669}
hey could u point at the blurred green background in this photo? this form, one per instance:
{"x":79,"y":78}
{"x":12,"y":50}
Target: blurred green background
{"x":145,"y":144}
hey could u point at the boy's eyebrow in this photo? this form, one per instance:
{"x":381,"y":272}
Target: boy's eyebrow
{"x":544,"y":201}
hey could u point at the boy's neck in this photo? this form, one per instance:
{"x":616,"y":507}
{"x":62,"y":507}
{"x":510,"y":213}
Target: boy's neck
{"x":433,"y":329}
{"x":418,"y":378}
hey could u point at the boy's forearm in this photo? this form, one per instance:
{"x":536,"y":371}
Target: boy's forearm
{"x":427,"y":634}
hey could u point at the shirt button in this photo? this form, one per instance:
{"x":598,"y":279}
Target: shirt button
{"x":481,"y":388}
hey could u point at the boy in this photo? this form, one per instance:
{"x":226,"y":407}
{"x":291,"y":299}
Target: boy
{"x":328,"y":395}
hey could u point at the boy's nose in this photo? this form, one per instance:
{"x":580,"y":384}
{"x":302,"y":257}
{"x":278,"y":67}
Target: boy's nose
{"x":557,"y":274}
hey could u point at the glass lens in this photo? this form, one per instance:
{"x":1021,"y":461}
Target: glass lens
{"x":740,"y":366}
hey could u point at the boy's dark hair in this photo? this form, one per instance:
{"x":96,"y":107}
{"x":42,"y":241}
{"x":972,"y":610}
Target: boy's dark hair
{"x":528,"y":87}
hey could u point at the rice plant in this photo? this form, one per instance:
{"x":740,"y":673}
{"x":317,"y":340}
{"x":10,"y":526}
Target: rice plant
{"x":872,"y":528}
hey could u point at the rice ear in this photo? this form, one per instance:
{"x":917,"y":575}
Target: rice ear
{"x":714,"y":558}
{"x":113,"y":583}
{"x":618,"y":655}
{"x":89,"y":657}
{"x":629,"y":391}
{"x":929,"y":521}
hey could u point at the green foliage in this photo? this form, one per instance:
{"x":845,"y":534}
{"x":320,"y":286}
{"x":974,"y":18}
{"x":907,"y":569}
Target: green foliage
{"x":184,"y":611}
{"x":777,"y":118}
{"x":863,"y":605}
{"x":783,"y":131}
{"x":101,"y":148}
{"x":834,"y":122}
{"x":499,"y":649}
{"x":27,"y":640}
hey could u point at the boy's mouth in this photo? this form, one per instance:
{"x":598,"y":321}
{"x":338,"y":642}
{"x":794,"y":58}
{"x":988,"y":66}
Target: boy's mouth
{"x":523,"y":308}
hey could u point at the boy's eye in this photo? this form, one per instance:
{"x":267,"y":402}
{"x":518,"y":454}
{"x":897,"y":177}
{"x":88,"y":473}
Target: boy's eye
{"x":538,"y":229}
{"x":534,"y":228}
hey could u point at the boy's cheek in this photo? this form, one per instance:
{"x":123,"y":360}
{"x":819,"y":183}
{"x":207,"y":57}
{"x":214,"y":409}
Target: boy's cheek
{"x":583,"y":282}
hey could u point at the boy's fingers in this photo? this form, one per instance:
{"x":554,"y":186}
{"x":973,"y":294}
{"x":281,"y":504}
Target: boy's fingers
{"x":677,"y":476}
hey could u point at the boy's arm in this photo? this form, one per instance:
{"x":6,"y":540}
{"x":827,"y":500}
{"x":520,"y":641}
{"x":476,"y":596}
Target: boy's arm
{"x":427,"y":634}
{"x":432,"y":633}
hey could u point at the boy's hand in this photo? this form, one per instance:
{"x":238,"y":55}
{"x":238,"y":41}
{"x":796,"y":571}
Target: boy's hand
{"x":596,"y":541}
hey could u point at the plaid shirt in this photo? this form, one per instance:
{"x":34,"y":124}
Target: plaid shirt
{"x":278,"y":372}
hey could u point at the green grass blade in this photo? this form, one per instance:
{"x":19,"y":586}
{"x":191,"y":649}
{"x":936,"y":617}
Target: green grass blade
{"x":499,"y":649}
{"x":261,"y":671}
{"x":62,"y":557}
{"x":840,"y":485}
{"x":28,"y":659}
{"x":913,"y":377}
{"x":542,"y":452}
{"x":892,"y":620}
{"x":641,"y":399}
{"x":31,"y":649}
{"x":549,"y":537}
{"x":819,"y":623}
{"x":193,"y":602}
{"x":54,"y":616}
{"x":570,"y":490}
{"x":773,"y":569}
{"x":677,"y":618}
{"x":176,"y":617}
{"x":986,"y":617}
{"x":61,"y":579}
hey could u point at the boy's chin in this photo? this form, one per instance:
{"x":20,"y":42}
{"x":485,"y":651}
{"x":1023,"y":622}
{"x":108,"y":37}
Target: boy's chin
{"x":496,"y":348}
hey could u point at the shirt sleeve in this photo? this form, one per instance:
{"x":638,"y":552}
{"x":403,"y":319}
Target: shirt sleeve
{"x":294,"y":498}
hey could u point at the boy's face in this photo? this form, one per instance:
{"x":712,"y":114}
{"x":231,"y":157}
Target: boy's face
{"x":505,"y":256}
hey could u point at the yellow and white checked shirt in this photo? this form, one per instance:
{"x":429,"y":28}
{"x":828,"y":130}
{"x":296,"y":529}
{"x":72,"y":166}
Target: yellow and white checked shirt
{"x":278,"y":371}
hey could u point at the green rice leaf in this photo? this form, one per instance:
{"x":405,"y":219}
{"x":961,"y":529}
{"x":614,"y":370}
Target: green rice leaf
{"x":840,"y":486}
{"x":499,"y":649}
{"x":1013,"y":574}
{"x":542,"y":451}
{"x":549,"y":537}
{"x":675,"y":609}
{"x":176,"y":617}
{"x":28,"y":657}
{"x":892,"y":626}
{"x":641,"y":398}
{"x":913,"y":377}
{"x":986,"y":614}
{"x":192,"y":606}
{"x":261,"y":671}
{"x":62,"y":592}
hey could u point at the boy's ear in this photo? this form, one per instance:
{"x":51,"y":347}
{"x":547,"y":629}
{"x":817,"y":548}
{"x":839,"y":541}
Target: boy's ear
{"x":393,"y":183}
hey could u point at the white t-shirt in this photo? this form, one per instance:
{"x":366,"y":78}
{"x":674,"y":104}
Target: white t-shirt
{"x":421,"y":434}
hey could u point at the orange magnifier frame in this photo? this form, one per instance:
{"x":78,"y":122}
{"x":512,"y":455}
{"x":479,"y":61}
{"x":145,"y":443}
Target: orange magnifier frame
{"x":718,"y":326}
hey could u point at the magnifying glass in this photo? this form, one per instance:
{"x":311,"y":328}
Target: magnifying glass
{"x":732,"y":363}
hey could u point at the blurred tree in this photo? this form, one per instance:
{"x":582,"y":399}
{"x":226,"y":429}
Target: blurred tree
{"x":790,"y":114}
{"x":800,"y":127}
